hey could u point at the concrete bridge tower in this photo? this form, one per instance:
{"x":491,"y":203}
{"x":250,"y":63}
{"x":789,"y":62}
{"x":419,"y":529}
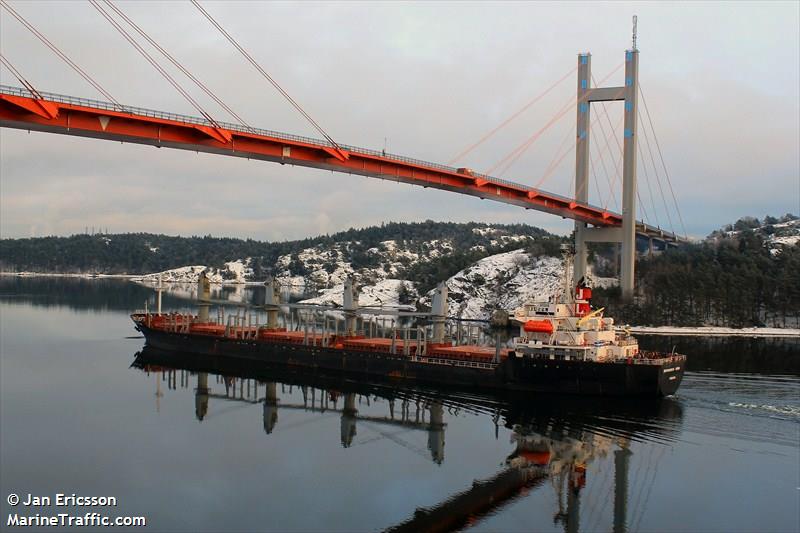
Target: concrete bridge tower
{"x":626,"y":235}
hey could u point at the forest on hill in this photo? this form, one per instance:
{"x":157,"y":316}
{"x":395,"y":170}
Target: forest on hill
{"x":746,"y":274}
{"x":142,"y":253}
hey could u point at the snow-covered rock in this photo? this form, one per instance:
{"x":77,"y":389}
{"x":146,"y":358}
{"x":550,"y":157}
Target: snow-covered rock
{"x":187,"y":274}
{"x":385,"y":293}
{"x":501,"y":281}
{"x":239,"y":270}
{"x":234,"y":272}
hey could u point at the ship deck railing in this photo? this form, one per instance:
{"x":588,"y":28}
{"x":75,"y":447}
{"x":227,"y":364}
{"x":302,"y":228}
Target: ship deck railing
{"x":653,"y":358}
{"x":454,"y":362}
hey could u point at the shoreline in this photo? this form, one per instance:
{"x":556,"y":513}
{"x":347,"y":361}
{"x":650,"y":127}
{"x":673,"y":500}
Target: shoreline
{"x":716,"y":331}
{"x":674,"y":331}
{"x":129,"y":277}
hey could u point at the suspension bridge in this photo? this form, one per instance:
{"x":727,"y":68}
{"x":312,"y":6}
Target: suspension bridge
{"x":28,"y":108}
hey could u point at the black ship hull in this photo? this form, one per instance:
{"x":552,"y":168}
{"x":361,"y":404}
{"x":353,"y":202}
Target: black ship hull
{"x":512,"y":374}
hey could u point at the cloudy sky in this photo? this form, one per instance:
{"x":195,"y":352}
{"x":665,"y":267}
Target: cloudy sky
{"x":422,"y":79}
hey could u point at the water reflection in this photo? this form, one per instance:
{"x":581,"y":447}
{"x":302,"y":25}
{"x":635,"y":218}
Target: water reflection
{"x":121,"y":294}
{"x":555,"y":440}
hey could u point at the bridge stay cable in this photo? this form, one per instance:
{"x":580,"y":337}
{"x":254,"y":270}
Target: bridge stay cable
{"x":649,"y":187}
{"x":557,"y":161}
{"x":610,"y":135}
{"x":655,"y":171}
{"x":176,"y":63}
{"x":128,"y":37}
{"x":599,"y":156}
{"x":663,"y":163}
{"x":585,"y":186}
{"x":515,"y":154}
{"x":511,"y":118}
{"x":607,"y":149}
{"x":17,"y":74}
{"x":645,"y":215}
{"x":269,"y":78}
{"x":511,"y":159}
{"x":508,"y":161}
{"x":621,"y":151}
{"x":596,"y":183}
{"x":556,"y":158}
{"x":39,"y":35}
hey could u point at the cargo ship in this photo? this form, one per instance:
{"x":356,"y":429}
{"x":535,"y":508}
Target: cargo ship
{"x":561,"y":345}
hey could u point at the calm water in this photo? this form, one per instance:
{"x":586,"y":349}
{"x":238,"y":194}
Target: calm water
{"x":194,"y":445}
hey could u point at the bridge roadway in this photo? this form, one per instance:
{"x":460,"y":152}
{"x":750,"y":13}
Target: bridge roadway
{"x":68,"y":115}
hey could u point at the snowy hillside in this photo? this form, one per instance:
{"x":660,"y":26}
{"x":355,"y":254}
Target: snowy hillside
{"x":505,"y":281}
{"x":777,"y":233}
{"x":387,"y":271}
{"x":234,"y":272}
{"x":385,"y":293}
{"x":502,"y":281}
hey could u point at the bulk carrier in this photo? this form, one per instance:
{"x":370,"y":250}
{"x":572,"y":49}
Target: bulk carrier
{"x":561,"y":345}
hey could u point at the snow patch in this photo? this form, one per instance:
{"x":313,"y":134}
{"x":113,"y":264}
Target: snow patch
{"x":385,"y":293}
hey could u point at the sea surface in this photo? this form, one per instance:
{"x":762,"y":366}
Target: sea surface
{"x":193,"y":444}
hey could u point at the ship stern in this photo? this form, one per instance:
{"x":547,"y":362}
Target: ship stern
{"x":670,"y":376}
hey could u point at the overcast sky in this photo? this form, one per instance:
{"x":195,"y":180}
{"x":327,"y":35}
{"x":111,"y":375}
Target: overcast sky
{"x":423,"y":79}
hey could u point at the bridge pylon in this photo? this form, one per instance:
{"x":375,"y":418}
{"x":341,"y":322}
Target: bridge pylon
{"x":626,"y":235}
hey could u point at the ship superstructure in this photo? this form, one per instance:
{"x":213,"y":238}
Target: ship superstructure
{"x":564,"y":327}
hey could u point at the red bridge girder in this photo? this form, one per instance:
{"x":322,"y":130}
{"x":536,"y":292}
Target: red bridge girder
{"x":85,"y":118}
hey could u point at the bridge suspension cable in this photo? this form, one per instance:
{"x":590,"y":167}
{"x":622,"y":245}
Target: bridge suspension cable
{"x":82,"y":73}
{"x":269,"y":78}
{"x":511,"y":118}
{"x":127,"y":36}
{"x":661,"y":156}
{"x":176,"y":63}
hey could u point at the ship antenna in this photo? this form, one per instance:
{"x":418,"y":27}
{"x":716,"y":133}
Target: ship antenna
{"x":634,"y":31}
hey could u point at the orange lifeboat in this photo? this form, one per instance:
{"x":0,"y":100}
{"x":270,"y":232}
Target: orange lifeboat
{"x":538,"y":326}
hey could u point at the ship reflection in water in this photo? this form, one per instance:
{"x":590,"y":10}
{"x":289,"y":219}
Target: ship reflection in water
{"x":554,"y":439}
